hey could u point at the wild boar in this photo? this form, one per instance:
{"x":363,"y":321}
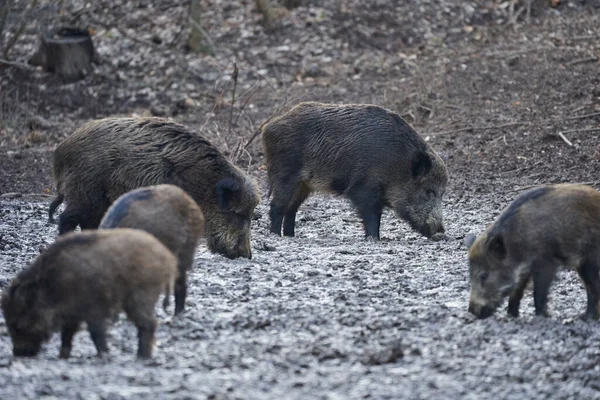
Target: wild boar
{"x":543,"y":229}
{"x":89,"y":277}
{"x":367,"y":153}
{"x":169,"y":214}
{"x":106,"y":158}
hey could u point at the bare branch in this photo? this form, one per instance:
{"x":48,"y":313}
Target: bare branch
{"x":15,"y":64}
{"x":235,"y":79}
{"x":20,"y":30}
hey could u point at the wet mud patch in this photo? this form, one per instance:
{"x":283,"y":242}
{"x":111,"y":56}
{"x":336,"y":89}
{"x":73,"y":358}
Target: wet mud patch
{"x":323,"y":315}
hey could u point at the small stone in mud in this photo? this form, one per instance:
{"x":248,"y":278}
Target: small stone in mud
{"x":389,"y":355}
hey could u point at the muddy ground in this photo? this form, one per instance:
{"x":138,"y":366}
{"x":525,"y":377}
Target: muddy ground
{"x":326,"y":314}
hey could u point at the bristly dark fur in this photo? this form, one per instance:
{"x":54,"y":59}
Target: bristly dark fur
{"x":106,"y":158}
{"x":121,"y":208}
{"x":364,"y":152}
{"x":514,"y":207}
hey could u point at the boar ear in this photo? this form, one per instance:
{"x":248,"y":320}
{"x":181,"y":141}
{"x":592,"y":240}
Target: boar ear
{"x":421,"y":164}
{"x":227,"y":191}
{"x":496,"y":247}
{"x":469,"y":240}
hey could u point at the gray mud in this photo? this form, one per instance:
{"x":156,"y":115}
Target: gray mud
{"x":323,"y":315}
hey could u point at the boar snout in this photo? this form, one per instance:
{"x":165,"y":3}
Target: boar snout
{"x":433,"y":229}
{"x":481,"y":310}
{"x":231,"y":245}
{"x":245,"y":249}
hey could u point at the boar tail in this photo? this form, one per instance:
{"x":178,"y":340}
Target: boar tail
{"x":168,"y":290}
{"x":54,"y":205}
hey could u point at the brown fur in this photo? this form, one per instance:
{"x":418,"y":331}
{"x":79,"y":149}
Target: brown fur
{"x":88,"y":277}
{"x":106,"y":158}
{"x":543,"y":229}
{"x":168,"y":213}
{"x":364,"y":152}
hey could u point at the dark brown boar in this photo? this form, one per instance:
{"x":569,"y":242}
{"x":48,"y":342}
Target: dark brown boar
{"x":543,"y":229}
{"x":108,"y":157}
{"x":168,"y":213}
{"x":89,"y":277}
{"x":364,"y":152}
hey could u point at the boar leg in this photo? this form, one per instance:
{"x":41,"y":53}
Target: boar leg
{"x":542,"y":279}
{"x":180,"y":291}
{"x":370,"y":208}
{"x":68,"y":220}
{"x":590,"y":274}
{"x":289,"y":221}
{"x":514,"y":300}
{"x":68,"y":331}
{"x":283,"y":194}
{"x":97,"y":329}
{"x":140,"y":310}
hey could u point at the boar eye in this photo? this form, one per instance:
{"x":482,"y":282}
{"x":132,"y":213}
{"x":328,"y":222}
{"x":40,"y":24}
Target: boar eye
{"x":430,"y":193}
{"x":483,"y":276}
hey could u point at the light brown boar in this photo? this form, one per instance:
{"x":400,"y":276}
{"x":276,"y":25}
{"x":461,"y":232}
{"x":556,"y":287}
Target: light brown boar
{"x":168,"y":213}
{"x":545,"y":228}
{"x":106,"y":158}
{"x":89,"y":277}
{"x":364,"y":152}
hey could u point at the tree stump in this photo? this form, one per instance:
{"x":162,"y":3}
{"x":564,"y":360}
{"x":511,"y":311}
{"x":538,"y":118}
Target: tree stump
{"x":66,"y":52}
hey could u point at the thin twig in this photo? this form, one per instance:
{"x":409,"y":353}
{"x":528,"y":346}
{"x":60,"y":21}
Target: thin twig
{"x":15,"y":64}
{"x":564,"y":138}
{"x":543,"y":121}
{"x":591,"y":183}
{"x":211,"y":44}
{"x":235,"y":79}
{"x":14,"y":39}
{"x":481,"y":128}
{"x":122,"y":31}
{"x":582,"y":130}
{"x":251,"y":92}
{"x":596,"y":114}
{"x":584,"y":60}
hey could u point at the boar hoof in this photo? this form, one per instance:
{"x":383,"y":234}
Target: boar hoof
{"x":588,"y":317}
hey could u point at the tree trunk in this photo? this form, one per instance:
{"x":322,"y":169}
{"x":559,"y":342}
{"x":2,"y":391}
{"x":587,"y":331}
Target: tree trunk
{"x":67,"y":52}
{"x":265,"y":8}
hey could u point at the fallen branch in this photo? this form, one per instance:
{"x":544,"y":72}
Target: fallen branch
{"x":20,"y":30}
{"x":596,"y":114}
{"x":582,"y":130}
{"x":543,"y":121}
{"x":480,"y":128}
{"x":15,"y":64}
{"x":584,"y":60}
{"x":519,"y":189}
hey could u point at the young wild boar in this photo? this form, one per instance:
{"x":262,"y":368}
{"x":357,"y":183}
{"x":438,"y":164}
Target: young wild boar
{"x":168,"y":213}
{"x":364,"y":152}
{"x":89,"y":277}
{"x":543,"y":229}
{"x":108,"y":157}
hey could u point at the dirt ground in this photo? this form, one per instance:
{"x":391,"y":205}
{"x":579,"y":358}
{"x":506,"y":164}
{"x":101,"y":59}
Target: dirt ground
{"x":326,"y":314}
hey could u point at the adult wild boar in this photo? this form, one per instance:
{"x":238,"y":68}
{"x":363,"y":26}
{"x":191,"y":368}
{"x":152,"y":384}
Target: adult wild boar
{"x":364,"y":152}
{"x":89,"y":277}
{"x":169,"y":214}
{"x":543,"y":229}
{"x":108,"y":157}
